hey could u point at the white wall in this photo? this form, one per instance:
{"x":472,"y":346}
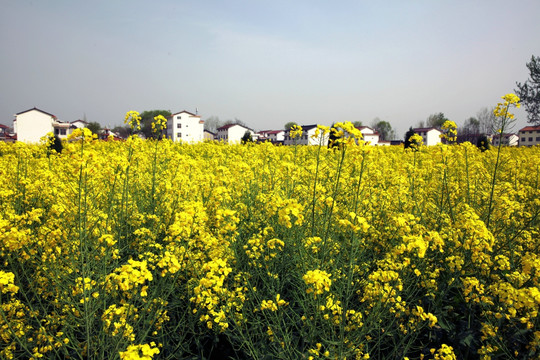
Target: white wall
{"x":433,"y":137}
{"x":32,"y":125}
{"x":185,"y":127}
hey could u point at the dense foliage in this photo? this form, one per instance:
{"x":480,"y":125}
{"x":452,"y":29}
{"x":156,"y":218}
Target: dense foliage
{"x":151,"y":249}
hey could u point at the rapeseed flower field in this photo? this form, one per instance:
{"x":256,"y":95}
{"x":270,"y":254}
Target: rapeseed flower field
{"x":159,"y":250}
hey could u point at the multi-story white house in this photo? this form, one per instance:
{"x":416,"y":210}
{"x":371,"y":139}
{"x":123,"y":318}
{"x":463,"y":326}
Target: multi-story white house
{"x":529,"y":136}
{"x":186,"y":127}
{"x":31,"y":125}
{"x":430,"y":136}
{"x":233,"y":133}
{"x":507,"y":139}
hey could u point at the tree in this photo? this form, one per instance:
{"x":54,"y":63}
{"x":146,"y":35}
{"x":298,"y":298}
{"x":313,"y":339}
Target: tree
{"x":212,"y":124}
{"x":94,"y":127}
{"x":529,"y":91}
{"x":333,"y":137}
{"x":147,"y":118}
{"x":383,"y":128}
{"x":122,"y":131}
{"x":357,"y":124}
{"x":470,"y":131}
{"x":436,"y":120}
{"x":289,"y":125}
{"x":483,"y":143}
{"x":55,"y":144}
{"x":408,"y":136}
{"x":471,"y":126}
{"x":486,"y":119}
{"x":246,"y":138}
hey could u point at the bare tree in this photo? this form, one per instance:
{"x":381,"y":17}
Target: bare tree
{"x":486,"y":120}
{"x":212,"y":123}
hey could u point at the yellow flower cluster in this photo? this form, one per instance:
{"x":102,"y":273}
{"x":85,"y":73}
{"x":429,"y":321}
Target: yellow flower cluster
{"x":449,"y":131}
{"x":318,"y":281}
{"x":140,"y":352}
{"x":6,"y":283}
{"x":130,"y":276}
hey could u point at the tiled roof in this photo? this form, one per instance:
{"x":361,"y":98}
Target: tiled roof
{"x":184,"y":111}
{"x":225,"y":127}
{"x":530,"y":128}
{"x":34,"y":108}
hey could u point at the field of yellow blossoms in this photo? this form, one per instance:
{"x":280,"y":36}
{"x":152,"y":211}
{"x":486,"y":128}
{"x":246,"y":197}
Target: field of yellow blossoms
{"x":158,"y":250}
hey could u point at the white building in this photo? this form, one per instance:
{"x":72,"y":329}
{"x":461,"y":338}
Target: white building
{"x":208,"y":135}
{"x":507,"y":139}
{"x":31,"y":125}
{"x":186,"y":127}
{"x":430,"y":136}
{"x":233,"y":133}
{"x":274,"y":136}
{"x":80,"y":124}
{"x":529,"y":136}
{"x":369,"y":135}
{"x":306,"y":138}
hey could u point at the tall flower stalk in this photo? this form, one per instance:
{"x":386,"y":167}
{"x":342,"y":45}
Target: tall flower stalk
{"x":504,"y":121}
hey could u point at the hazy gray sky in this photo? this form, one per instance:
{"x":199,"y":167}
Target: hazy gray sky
{"x":265,"y":62}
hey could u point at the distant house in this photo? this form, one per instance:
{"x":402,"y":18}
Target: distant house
{"x":369,"y":135}
{"x":430,"y":136}
{"x":31,"y":125}
{"x":529,"y":136}
{"x":505,"y":139}
{"x":79,"y":124}
{"x":274,"y":136}
{"x":232,"y":133}
{"x":306,"y":138}
{"x":5,"y":134}
{"x":186,"y":127}
{"x":208,"y":135}
{"x":106,"y":134}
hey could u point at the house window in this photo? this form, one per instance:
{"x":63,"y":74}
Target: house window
{"x":522,"y":139}
{"x":530,"y":139}
{"x":178,"y":126}
{"x":178,"y":117}
{"x":538,"y":138}
{"x":179,"y":135}
{"x":62,"y":131}
{"x":56,"y":131}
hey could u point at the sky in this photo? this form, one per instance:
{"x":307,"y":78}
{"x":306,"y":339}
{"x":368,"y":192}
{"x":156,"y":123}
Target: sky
{"x":265,"y":63}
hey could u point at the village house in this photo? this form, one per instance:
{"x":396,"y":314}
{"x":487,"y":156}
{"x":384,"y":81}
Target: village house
{"x":233,"y":133}
{"x":529,"y":136}
{"x":274,"y":136}
{"x":80,"y":124}
{"x":370,"y":136}
{"x":430,"y":136}
{"x":507,"y":139}
{"x":31,"y":125}
{"x":186,"y":127}
{"x":5,"y":134}
{"x":308,"y":131}
{"x":209,"y":135}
